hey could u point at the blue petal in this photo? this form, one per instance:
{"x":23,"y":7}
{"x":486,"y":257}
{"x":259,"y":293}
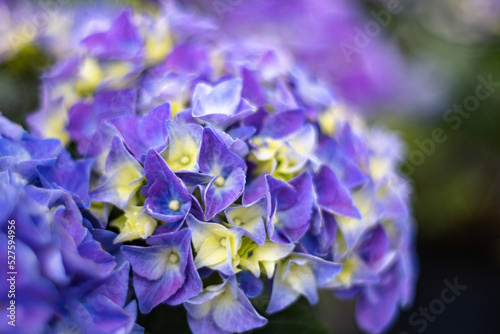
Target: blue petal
{"x":233,"y":311}
{"x":374,"y":245}
{"x":377,"y":304}
{"x":69,"y":175}
{"x":204,"y":325}
{"x":168,"y":199}
{"x":150,"y":134}
{"x":221,"y":104}
{"x":191,"y":287}
{"x":281,"y":124}
{"x":332,"y":196}
{"x":156,"y":279}
{"x":152,"y":293}
{"x":148,"y":262}
{"x":250,"y":284}
{"x":319,"y":241}
{"x":218,"y":198}
{"x":122,"y":41}
{"x":290,"y":208}
{"x":215,"y":158}
{"x":115,"y":286}
{"x":281,"y":296}
{"x":159,"y":203}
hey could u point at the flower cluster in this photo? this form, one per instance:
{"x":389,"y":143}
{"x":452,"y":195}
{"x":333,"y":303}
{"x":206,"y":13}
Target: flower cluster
{"x":334,"y":40}
{"x":68,"y":275}
{"x":220,"y":166}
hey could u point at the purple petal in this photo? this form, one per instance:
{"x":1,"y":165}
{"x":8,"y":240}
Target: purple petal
{"x":158,"y":279}
{"x":218,"y":198}
{"x":281,"y":297}
{"x":106,"y":315}
{"x":204,"y":325}
{"x":216,"y":158}
{"x":255,"y":189}
{"x":110,"y":104}
{"x":115,"y":286}
{"x":350,"y":144}
{"x":250,"y":284}
{"x":119,"y":157}
{"x":242,"y":132}
{"x":41,"y":148}
{"x":236,"y":314}
{"x":148,"y":262}
{"x":332,"y":196}
{"x":122,"y":41}
{"x":282,"y":190}
{"x":168,"y":202}
{"x":251,"y":88}
{"x":125,"y":176}
{"x":83,"y":124}
{"x":376,"y":306}
{"x":168,"y":199}
{"x":196,"y":209}
{"x":152,"y":293}
{"x":10,"y":129}
{"x":290,"y":208}
{"x":188,"y":59}
{"x":191,"y":287}
{"x":69,"y":175}
{"x":142,"y":133}
{"x":195,"y":179}
{"x":374,"y":245}
{"x":324,"y":271}
{"x":279,"y":125}
{"x":92,"y":250}
{"x":318,"y":242}
{"x":222,"y":99}
{"x":331,"y":154}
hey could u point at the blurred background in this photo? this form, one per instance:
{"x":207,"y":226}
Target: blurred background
{"x":429,"y":70}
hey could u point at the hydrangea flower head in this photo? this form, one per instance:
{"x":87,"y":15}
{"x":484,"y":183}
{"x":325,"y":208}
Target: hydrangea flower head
{"x":221,"y":166}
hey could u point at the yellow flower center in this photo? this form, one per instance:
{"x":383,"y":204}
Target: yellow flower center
{"x":276,"y":220}
{"x":185,"y":160}
{"x":347,"y":272}
{"x":220,"y":181}
{"x":173,"y":258}
{"x":223,"y":242}
{"x":174,"y":205}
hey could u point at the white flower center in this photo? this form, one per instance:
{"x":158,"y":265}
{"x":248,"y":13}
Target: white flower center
{"x":173,"y":258}
{"x":174,"y":205}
